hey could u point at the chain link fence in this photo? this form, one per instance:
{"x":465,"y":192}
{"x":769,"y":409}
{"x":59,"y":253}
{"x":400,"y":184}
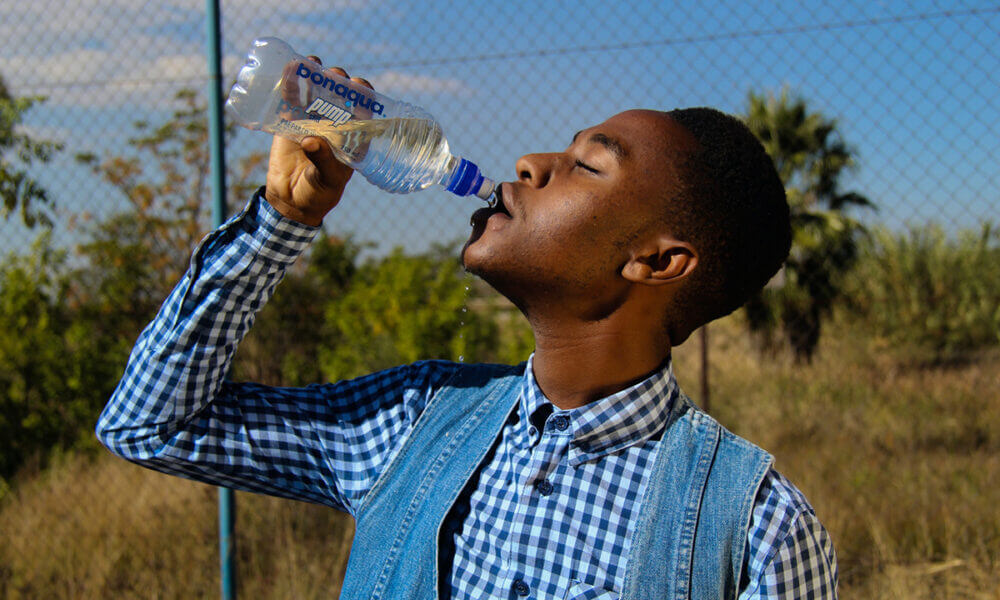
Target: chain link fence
{"x":897,"y":103}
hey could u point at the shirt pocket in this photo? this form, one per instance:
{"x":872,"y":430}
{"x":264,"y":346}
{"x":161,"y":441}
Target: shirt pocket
{"x":583,"y":591}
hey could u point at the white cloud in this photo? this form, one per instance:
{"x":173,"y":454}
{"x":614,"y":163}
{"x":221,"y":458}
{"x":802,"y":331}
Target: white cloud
{"x":100,"y":77}
{"x":49,"y":22}
{"x":97,"y":52}
{"x":108,"y":53}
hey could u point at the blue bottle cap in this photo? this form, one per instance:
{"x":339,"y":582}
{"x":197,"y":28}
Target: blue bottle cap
{"x":466,"y":179}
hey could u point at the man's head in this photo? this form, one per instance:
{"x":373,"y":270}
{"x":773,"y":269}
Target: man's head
{"x":677,"y":214}
{"x":733,"y":209}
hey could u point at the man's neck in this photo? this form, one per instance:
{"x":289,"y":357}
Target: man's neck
{"x":578,"y":364}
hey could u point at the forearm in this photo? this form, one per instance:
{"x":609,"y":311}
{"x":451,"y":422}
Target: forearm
{"x":180,"y":359}
{"x":173,"y":412}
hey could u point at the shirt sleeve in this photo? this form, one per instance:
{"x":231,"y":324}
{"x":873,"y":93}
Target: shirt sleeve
{"x":789,"y":553}
{"x":172,"y":410}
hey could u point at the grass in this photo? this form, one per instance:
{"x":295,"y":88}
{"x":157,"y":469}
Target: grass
{"x":901,"y":462}
{"x":93,"y":526}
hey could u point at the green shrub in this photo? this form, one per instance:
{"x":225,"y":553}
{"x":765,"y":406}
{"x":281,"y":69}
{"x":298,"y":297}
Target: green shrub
{"x":403,"y":308}
{"x":938,"y":294}
{"x":55,"y":371}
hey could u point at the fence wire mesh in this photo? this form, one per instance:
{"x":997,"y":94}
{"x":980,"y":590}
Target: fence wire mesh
{"x":103,"y":178}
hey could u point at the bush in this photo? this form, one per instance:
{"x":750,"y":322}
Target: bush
{"x":938,"y":294}
{"x":55,"y":372}
{"x":403,"y":308}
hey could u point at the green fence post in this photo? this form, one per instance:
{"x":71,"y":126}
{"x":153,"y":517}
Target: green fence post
{"x":227,"y":499}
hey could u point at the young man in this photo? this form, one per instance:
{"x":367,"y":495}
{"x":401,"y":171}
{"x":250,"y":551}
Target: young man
{"x":585,"y":473}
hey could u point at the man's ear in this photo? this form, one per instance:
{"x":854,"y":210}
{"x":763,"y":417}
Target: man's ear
{"x":661,"y":261}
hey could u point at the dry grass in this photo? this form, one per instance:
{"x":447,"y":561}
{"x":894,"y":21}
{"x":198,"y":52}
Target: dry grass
{"x":900,"y":462}
{"x":103,"y":528}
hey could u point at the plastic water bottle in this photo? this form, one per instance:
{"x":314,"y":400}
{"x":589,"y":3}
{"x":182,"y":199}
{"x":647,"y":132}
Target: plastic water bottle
{"x":397,"y":146}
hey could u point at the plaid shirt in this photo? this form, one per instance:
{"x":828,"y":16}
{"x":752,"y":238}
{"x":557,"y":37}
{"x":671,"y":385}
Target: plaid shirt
{"x":550,"y":513}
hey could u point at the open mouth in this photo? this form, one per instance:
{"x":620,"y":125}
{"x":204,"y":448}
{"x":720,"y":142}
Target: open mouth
{"x":497,"y":205}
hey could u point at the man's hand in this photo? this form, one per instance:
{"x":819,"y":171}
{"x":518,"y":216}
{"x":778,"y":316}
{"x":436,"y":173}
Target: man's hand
{"x":305,"y":181}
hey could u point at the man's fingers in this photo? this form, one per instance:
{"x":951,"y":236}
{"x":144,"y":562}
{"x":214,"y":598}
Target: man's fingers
{"x":338,"y":71}
{"x":363,"y":82}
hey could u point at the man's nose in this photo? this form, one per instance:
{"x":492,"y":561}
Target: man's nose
{"x":535,"y":169}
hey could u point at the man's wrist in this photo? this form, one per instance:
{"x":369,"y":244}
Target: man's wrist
{"x":292,"y":212}
{"x":273,"y":235}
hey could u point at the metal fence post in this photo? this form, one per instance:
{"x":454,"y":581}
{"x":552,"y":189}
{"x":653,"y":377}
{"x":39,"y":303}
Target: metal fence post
{"x":227,"y":499}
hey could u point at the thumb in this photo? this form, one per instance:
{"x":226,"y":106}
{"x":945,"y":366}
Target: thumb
{"x":319,"y":153}
{"x":330,"y":172}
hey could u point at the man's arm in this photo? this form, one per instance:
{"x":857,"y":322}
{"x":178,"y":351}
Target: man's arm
{"x":173,"y":412}
{"x":789,"y":553}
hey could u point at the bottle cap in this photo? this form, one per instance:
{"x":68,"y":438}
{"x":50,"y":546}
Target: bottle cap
{"x":466,"y":179}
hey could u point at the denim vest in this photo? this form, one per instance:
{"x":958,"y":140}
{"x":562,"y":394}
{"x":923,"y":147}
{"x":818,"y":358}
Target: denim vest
{"x":693,"y":522}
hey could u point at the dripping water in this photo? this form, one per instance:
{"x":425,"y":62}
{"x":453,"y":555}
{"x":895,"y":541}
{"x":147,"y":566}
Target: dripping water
{"x":461,"y":322}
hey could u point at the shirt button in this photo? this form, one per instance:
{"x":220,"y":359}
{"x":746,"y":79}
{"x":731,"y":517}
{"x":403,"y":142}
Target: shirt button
{"x":560,"y":422}
{"x":521,"y":588}
{"x":544,"y":487}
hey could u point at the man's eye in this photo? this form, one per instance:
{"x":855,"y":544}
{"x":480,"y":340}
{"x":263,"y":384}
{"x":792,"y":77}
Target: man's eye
{"x":586,"y":167}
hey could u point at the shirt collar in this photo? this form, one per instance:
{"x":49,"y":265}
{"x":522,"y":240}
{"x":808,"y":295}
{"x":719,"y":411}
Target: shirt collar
{"x":615,"y":422}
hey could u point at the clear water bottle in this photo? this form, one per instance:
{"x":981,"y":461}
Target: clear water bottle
{"x":397,"y":146}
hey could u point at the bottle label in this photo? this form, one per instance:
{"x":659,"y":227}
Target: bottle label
{"x":329,"y":111}
{"x":350,"y":96}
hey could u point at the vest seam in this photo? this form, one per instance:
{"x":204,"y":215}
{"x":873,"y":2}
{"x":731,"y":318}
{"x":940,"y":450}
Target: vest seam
{"x":421,"y":490}
{"x":765,"y":461}
{"x":419,"y":423}
{"x":431,"y":474}
{"x":746,"y":513}
{"x":700,"y":479}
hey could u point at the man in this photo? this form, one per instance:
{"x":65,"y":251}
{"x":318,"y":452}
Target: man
{"x":586,"y":473}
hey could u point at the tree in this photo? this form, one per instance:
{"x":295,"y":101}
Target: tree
{"x":19,"y":192}
{"x":135,"y":257}
{"x":65,"y":332}
{"x":811,"y":157}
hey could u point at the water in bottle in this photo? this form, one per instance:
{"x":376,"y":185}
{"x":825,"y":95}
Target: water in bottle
{"x":397,"y":146}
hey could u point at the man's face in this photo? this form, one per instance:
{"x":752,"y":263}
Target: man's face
{"x":576,"y":216}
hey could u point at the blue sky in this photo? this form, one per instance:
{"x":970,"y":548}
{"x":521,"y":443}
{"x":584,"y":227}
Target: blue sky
{"x":912,"y":84}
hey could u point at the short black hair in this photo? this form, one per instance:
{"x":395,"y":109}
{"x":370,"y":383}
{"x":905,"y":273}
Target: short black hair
{"x":732,"y":208}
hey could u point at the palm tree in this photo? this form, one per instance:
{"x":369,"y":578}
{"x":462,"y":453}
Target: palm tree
{"x":810,"y":157}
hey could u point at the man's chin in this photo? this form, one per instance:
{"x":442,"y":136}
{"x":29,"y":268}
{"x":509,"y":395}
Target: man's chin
{"x":470,"y":257}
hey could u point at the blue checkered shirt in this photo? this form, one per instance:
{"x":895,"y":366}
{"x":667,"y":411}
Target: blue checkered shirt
{"x":551,"y":512}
